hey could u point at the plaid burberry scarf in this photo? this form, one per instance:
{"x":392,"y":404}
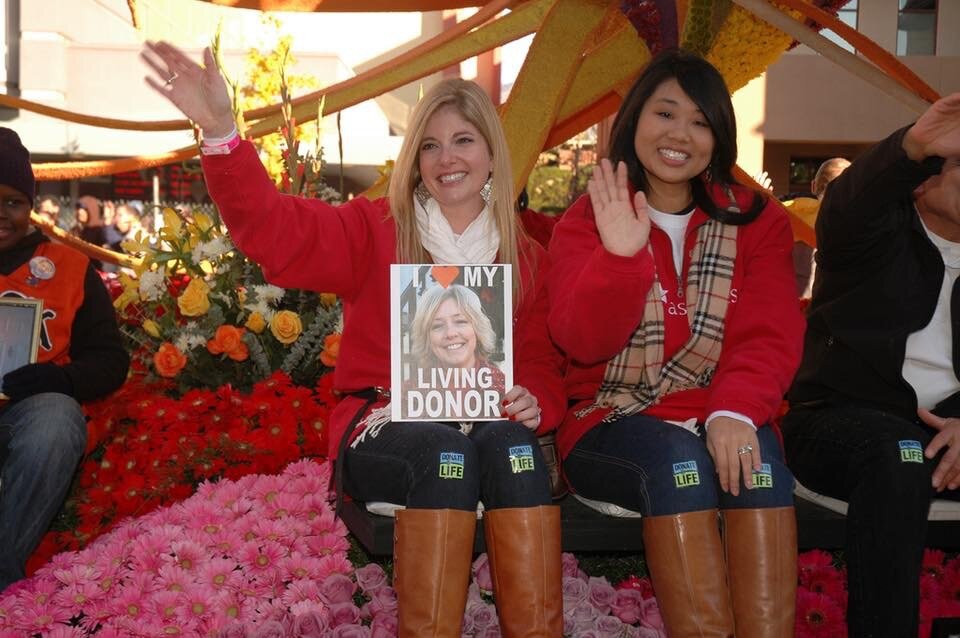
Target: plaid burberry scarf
{"x":637,"y":377}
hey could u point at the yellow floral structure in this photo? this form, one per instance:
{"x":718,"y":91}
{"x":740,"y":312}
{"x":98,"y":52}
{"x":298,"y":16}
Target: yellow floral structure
{"x":583,"y":58}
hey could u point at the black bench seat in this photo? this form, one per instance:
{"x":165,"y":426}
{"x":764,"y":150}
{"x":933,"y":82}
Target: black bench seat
{"x":585,"y":530}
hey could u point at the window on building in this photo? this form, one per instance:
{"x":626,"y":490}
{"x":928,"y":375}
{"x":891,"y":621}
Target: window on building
{"x":917,"y":27}
{"x":847,"y":15}
{"x":802,"y":172}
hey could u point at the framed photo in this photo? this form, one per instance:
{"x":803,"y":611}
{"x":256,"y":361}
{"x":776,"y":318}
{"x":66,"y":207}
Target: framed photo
{"x":451,"y":341}
{"x":19,"y":333}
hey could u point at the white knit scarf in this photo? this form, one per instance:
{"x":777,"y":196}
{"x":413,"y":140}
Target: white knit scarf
{"x":478,"y":244}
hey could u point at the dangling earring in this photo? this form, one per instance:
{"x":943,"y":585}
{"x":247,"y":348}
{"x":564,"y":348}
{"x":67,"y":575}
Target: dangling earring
{"x":422,"y":194}
{"x":486,"y":191}
{"x":708,"y":173}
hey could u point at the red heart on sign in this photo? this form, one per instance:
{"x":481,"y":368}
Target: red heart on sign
{"x":444,"y":275}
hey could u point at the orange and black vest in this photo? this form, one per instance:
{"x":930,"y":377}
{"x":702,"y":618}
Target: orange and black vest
{"x":62,"y":296}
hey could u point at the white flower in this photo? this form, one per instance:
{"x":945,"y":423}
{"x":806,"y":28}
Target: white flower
{"x":268,"y":294}
{"x":262,"y":307}
{"x":216,"y":247}
{"x":187,"y":341}
{"x":152,"y":285}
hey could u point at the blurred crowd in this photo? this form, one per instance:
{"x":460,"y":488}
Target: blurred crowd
{"x":106,"y":223}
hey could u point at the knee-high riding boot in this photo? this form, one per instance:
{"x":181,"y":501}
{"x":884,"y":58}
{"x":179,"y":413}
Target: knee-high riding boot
{"x":432,"y":553}
{"x":523,"y":545}
{"x":760,"y":546}
{"x":685,"y":558}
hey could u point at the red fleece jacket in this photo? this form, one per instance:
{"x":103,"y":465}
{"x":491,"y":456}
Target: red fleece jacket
{"x":597,"y":301}
{"x":347,"y":250}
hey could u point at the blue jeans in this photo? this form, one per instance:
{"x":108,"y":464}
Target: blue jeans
{"x":656,"y":468}
{"x":47,"y":435}
{"x":433,"y":466}
{"x":874,"y":461}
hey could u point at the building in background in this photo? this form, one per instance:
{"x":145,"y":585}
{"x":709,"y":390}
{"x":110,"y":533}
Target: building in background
{"x":82,"y":56}
{"x":806,"y":109}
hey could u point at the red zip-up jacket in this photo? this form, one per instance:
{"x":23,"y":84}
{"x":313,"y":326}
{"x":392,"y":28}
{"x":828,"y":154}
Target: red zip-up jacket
{"x":597,"y":301}
{"x":347,"y":250}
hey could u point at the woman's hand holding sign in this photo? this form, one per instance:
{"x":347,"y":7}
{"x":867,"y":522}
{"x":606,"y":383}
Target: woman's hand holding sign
{"x":521,"y":406}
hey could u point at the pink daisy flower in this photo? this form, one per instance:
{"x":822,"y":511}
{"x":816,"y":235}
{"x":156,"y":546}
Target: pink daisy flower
{"x":300,"y":590}
{"x":78,"y":595}
{"x":65,"y":632}
{"x":296,"y":565}
{"x":187,"y":554}
{"x":173,"y":578}
{"x":44,"y":617}
{"x":262,"y":556}
{"x":273,"y":530}
{"x":220,"y":573}
{"x":195,"y":602}
{"x":266,"y":487}
{"x":335,"y":564}
{"x":163,"y":605}
{"x":230,"y":606}
{"x":323,"y":544}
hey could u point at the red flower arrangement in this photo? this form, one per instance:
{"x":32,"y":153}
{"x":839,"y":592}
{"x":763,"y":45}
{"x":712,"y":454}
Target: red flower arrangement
{"x":155,"y":449}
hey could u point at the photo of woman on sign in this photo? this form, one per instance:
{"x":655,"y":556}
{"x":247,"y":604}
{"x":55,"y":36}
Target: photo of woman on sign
{"x":452,"y":341}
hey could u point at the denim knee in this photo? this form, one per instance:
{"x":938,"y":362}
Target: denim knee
{"x":772,"y":484}
{"x":684,"y":480}
{"x":447,"y":473}
{"x":513,"y":472}
{"x":49,"y":425}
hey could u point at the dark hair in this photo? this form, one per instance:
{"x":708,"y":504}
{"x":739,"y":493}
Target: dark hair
{"x":705,"y":86}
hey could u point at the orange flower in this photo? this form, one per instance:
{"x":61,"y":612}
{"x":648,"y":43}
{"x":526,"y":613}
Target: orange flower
{"x":228,"y":340}
{"x":168,"y":360}
{"x":331,"y":349}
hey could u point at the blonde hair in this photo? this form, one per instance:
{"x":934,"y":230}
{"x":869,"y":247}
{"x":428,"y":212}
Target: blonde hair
{"x":469,"y":304}
{"x":474,"y":106}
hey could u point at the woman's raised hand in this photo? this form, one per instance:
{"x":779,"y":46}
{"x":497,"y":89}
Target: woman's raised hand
{"x":200,"y":92}
{"x":624,"y":226}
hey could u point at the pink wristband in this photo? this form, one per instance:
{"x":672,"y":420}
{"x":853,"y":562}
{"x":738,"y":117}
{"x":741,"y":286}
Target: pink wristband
{"x":221,"y":149}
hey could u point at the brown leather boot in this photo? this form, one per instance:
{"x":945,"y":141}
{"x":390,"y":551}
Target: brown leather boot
{"x":523,"y":545}
{"x":760,"y":546}
{"x":432,"y":553}
{"x":685,"y":558}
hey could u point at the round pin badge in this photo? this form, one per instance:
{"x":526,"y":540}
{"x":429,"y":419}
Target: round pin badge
{"x":42,"y":268}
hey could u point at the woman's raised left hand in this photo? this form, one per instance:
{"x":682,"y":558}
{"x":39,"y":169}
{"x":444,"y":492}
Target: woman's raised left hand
{"x":726,"y":438}
{"x":200,"y":92}
{"x":521,"y":406}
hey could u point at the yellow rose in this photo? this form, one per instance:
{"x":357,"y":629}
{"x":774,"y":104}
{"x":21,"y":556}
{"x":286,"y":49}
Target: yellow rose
{"x":194,"y":300}
{"x":255,"y":323}
{"x":286,"y":326}
{"x":151,"y":328}
{"x":327,"y":299}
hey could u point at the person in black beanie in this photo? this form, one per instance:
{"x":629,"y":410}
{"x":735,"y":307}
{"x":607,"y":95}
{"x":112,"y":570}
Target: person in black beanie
{"x":81,"y":357}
